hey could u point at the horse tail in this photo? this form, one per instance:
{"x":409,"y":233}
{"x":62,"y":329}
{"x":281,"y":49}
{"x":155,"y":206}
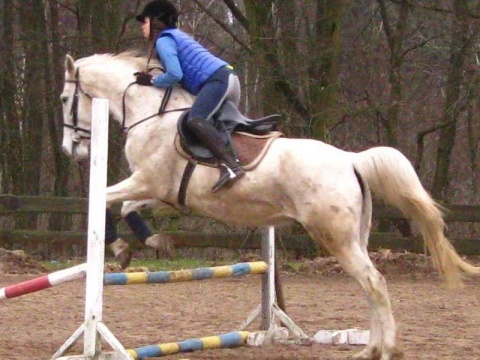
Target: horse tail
{"x":391,"y":176}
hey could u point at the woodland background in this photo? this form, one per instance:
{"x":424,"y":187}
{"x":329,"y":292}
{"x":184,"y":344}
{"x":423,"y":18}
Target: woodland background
{"x":355,"y":74}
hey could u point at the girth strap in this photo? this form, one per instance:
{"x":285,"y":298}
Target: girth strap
{"x":187,"y":174}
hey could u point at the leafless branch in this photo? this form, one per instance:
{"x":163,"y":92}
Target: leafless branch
{"x":237,"y":14}
{"x":419,"y":45}
{"x":127,"y":18}
{"x":386,"y":22}
{"x":425,"y":7}
{"x":69,"y":8}
{"x":224,"y":26}
{"x":421,"y":140}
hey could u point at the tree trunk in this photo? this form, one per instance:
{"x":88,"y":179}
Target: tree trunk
{"x":461,"y":43}
{"x":325,"y":46}
{"x":11,"y":153}
{"x":395,"y":37}
{"x":33,"y":40}
{"x":54,"y":75}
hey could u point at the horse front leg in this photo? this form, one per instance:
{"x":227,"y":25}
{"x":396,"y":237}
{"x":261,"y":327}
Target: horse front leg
{"x":132,"y":188}
{"x":119,"y":247}
{"x":129,"y":189}
{"x":131,"y":214}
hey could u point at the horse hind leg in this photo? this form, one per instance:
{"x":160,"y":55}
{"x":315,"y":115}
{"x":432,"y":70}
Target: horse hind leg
{"x":355,"y":261}
{"x":383,"y":342}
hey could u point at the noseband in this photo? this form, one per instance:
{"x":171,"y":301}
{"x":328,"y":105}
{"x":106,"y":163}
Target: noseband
{"x":74,"y":108}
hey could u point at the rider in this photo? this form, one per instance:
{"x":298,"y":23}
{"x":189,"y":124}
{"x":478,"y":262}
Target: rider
{"x":201,"y":73}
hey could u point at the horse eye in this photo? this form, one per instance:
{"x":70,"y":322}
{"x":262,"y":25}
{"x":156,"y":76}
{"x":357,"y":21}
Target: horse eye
{"x":64,"y":99}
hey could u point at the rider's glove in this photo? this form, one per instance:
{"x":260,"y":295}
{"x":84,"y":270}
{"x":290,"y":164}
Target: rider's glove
{"x":143,"y":79}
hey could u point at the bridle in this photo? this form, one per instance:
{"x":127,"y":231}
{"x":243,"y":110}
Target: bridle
{"x":74,"y":108}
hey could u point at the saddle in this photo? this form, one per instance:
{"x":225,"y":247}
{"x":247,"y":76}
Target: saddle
{"x":232,"y":125}
{"x":246,"y":138}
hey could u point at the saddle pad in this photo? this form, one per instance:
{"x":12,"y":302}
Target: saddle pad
{"x":250,"y":148}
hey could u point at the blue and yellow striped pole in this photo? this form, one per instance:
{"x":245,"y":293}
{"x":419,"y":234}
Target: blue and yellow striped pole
{"x":160,"y":277}
{"x":233,"y":339}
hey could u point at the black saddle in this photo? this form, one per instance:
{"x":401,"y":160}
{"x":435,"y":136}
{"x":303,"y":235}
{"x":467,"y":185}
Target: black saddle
{"x":227,"y":121}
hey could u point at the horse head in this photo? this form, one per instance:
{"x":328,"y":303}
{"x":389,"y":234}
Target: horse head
{"x":77,"y":107}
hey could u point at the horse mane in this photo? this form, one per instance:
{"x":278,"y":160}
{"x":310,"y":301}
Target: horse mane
{"x":133,"y":57}
{"x":128,"y":61}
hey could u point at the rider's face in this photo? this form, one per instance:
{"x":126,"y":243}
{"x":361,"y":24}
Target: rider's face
{"x":146,"y":28}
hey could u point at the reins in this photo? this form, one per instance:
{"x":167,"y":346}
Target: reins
{"x":163,"y":105}
{"x":161,"y":110}
{"x":125,"y":129}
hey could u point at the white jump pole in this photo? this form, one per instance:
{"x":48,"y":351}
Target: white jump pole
{"x":269,"y":311}
{"x":268,"y":279}
{"x":93,"y":328}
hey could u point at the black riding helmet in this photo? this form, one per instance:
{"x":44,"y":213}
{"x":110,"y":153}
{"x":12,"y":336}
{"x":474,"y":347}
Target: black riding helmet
{"x":162,"y":10}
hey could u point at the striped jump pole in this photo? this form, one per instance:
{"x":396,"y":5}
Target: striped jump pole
{"x":229,"y":340}
{"x":43,"y":282}
{"x":161,"y":277}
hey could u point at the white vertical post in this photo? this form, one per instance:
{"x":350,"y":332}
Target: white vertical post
{"x":93,"y":329}
{"x":96,"y":225}
{"x":268,"y":279}
{"x":268,"y":309}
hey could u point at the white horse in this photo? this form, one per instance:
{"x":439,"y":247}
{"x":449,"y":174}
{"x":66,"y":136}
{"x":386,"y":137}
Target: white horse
{"x":325,"y":189}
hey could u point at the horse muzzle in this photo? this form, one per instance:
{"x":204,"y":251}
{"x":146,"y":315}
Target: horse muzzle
{"x":77,"y":149}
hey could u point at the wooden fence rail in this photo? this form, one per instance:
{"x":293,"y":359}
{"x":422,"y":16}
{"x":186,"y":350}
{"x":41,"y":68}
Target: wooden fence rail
{"x":13,"y":205}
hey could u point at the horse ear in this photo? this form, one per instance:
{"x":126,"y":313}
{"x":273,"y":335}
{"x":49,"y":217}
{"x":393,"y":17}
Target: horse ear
{"x":70,"y":65}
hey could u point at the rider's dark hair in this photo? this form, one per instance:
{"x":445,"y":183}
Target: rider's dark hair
{"x":162,"y":10}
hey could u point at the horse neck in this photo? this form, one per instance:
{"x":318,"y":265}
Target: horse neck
{"x":142,"y":114}
{"x":131,"y":105}
{"x":112,"y":81}
{"x":151,"y":135}
{"x":141,"y":102}
{"x":100,"y":84}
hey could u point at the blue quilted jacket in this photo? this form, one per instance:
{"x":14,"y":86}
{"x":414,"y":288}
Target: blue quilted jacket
{"x":197,"y":63}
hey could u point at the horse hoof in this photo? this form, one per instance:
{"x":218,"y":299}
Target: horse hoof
{"x":367,"y":354}
{"x":397,"y":354}
{"x":122,"y":253}
{"x":124,"y":258}
{"x":375,"y":354}
{"x":162,"y":243}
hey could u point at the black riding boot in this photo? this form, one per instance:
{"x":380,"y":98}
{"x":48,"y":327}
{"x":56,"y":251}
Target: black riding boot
{"x":230,"y":171}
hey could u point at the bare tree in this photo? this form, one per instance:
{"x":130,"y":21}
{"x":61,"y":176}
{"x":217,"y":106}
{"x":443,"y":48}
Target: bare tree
{"x":11,"y":153}
{"x":464,"y":31}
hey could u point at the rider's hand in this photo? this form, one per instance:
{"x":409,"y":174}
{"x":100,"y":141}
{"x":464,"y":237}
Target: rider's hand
{"x":143,"y":79}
